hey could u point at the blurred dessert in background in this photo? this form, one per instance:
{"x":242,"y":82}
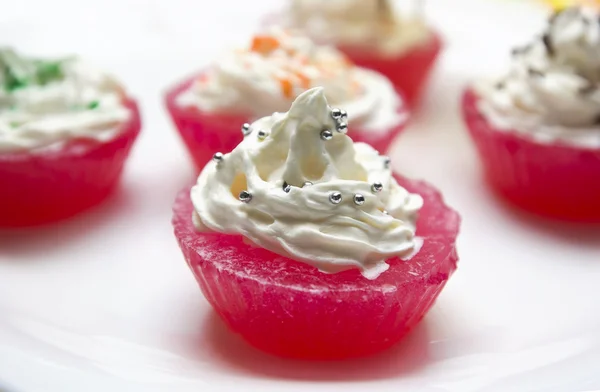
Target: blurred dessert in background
{"x":374,"y":34}
{"x":537,"y":126}
{"x":66,"y":129}
{"x":265,"y":77}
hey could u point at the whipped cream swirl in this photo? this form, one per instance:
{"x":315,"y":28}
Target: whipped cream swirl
{"x":299,"y":188}
{"x":278,"y":66}
{"x":552,"y":88}
{"x":367,"y":24}
{"x":46,"y":103}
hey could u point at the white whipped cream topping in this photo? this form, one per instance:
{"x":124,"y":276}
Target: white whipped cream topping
{"x":551,"y":90}
{"x":372,"y":24}
{"x":278,"y":67}
{"x":303,"y":223}
{"x":38,"y":116}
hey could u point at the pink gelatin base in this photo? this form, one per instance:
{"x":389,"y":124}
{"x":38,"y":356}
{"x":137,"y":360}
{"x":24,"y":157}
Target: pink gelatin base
{"x":408,"y":72}
{"x":554,"y":180}
{"x":205,"y":133}
{"x":55,"y":183}
{"x":290,"y":309}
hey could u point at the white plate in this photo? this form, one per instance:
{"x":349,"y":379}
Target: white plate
{"x":104,"y":302}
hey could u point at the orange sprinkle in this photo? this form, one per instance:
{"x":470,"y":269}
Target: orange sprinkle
{"x":304,"y":80}
{"x":290,"y":51}
{"x":326,"y":72}
{"x":303,"y":60}
{"x":346,"y":61}
{"x":287,"y":87}
{"x":355,"y":86}
{"x":264,"y":44}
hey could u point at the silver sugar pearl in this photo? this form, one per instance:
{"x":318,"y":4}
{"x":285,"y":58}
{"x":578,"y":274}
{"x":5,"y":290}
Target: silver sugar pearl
{"x":262,"y":134}
{"x":306,"y":183}
{"x":218,"y":157}
{"x":326,"y":135}
{"x":245,"y":196}
{"x":246,"y":129}
{"x":344,"y":114}
{"x":359,"y":199}
{"x":386,"y":162}
{"x":342,"y":128}
{"x":286,"y":187}
{"x":336,"y":113}
{"x":335,"y":197}
{"x":376,"y":187}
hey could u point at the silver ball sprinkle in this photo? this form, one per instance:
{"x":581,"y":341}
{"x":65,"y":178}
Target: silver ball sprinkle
{"x":336,"y":113}
{"x":326,"y":135}
{"x":335,"y":197}
{"x":286,"y":187}
{"x":262,"y":134}
{"x":218,"y":157}
{"x":306,"y":183}
{"x":246,"y":129}
{"x":386,"y":162}
{"x":344,"y":114}
{"x":245,"y":196}
{"x":359,"y":199}
{"x":342,"y":128}
{"x":376,"y":187}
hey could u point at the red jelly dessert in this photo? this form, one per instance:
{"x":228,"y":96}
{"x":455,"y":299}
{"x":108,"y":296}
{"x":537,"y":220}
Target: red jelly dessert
{"x":203,"y":133}
{"x":208,"y":108}
{"x":301,"y":252}
{"x":557,"y":180}
{"x":301,"y":312}
{"x":409,"y":72}
{"x":59,"y":154}
{"x":536,"y":129}
{"x":374,"y":35}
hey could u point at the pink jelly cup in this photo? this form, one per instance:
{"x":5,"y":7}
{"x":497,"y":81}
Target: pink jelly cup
{"x":51,"y":183}
{"x":409,"y":71}
{"x":204,"y":134}
{"x":290,"y":309}
{"x":555,"y":180}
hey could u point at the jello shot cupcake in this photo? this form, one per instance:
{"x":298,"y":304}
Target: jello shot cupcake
{"x":265,"y":77}
{"x":65,"y":132}
{"x":308,"y":245}
{"x":537,"y":127}
{"x":374,"y":34}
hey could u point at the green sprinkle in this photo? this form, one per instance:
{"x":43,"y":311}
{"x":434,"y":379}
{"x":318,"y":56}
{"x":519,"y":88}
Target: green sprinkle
{"x":17,"y":72}
{"x":14,"y":124}
{"x":14,"y":83}
{"x":93,"y":105}
{"x":48,"y":71}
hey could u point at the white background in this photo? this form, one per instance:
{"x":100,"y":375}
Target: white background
{"x":104,"y":302}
